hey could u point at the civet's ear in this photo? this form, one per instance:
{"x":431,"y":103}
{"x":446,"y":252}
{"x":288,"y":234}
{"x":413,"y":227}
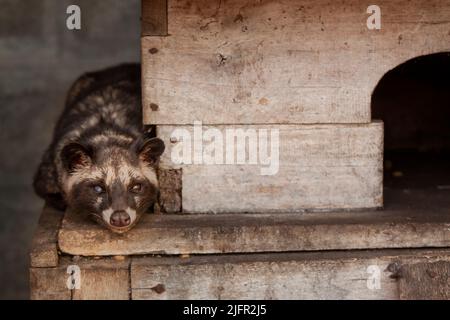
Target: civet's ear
{"x":75,"y":156}
{"x":150,"y":150}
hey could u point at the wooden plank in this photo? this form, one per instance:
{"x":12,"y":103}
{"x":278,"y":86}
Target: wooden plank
{"x":413,"y":227}
{"x":44,"y":246}
{"x":321,"y":275}
{"x":154,"y":18}
{"x":258,"y":62}
{"x":425,"y":281}
{"x":99,"y":279}
{"x":320,"y":167}
{"x":103,"y":279}
{"x":49,"y":284}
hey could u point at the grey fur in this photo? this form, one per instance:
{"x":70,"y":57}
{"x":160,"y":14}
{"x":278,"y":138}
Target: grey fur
{"x":102,"y":114}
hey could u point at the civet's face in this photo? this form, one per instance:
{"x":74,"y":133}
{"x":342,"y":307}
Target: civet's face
{"x":115,"y":185}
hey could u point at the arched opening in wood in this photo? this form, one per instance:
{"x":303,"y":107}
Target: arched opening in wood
{"x":413,"y":100}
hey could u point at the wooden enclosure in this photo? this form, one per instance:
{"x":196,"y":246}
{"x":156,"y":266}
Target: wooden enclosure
{"x":284,"y":64}
{"x":303,"y":69}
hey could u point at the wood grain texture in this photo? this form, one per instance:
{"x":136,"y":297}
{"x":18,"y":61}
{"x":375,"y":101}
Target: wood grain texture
{"x":405,"y":274}
{"x":100,"y":279}
{"x":425,"y":281}
{"x":321,"y":275}
{"x":170,"y":181}
{"x":154,"y":18}
{"x":243,"y":233}
{"x":321,"y":167}
{"x":44,"y":246}
{"x":252,"y":61}
{"x":49,"y":284}
{"x":104,"y":279}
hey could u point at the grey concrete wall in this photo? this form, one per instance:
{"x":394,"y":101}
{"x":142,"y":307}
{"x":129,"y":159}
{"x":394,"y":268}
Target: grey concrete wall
{"x":39,"y":58}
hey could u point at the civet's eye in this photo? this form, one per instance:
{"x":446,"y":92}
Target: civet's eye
{"x":136,"y":188}
{"x":98,"y":189}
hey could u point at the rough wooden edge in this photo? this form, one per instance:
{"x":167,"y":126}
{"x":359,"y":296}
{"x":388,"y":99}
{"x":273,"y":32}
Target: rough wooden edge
{"x":425,"y":280}
{"x":244,"y":233}
{"x":154,"y":18}
{"x":170,"y":190}
{"x":313,"y":275}
{"x":44,"y":246}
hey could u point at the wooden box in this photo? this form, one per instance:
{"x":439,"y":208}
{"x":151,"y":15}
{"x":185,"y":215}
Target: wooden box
{"x":306,"y":69}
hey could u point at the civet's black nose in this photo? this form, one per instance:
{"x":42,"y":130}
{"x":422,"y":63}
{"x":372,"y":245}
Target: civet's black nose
{"x":120,"y":219}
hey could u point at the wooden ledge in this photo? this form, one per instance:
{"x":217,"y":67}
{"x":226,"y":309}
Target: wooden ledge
{"x":104,"y":279}
{"x":44,"y":246}
{"x":404,"y":274}
{"x":240,"y":233}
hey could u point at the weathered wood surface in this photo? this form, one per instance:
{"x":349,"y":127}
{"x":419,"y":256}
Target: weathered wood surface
{"x":240,"y":233}
{"x":170,"y":190}
{"x":321,"y":167}
{"x":154,"y":18}
{"x":44,"y":246}
{"x":105,"y":279}
{"x":321,"y":275}
{"x":374,"y":274}
{"x":283,"y":61}
{"x":100,"y":279}
{"x":425,"y":281}
{"x":49,"y":284}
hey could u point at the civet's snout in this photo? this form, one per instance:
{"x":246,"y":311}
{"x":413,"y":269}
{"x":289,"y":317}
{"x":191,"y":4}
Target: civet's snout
{"x":120,"y":219}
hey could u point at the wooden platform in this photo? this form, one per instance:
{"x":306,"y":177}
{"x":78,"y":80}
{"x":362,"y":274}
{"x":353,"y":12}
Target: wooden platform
{"x":336,"y":274}
{"x":413,"y":219}
{"x":322,"y":266}
{"x":321,"y":275}
{"x":406,"y":274}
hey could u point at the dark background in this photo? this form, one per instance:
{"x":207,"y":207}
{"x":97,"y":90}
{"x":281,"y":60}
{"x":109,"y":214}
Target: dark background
{"x":39,"y":59}
{"x":413,"y":100}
